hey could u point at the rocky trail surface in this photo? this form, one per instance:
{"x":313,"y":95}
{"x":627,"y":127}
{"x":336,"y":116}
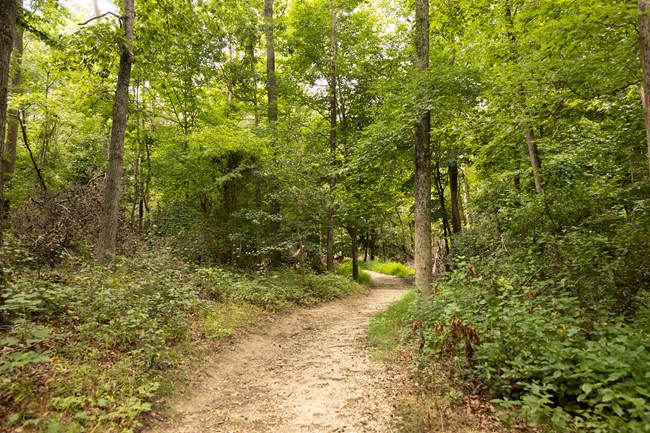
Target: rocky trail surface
{"x":307,"y":372}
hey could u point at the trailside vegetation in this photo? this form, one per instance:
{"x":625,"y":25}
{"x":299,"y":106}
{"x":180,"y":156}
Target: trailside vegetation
{"x":253,"y":143}
{"x":92,"y":347}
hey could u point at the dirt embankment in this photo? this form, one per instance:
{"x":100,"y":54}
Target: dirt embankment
{"x":306,"y":372}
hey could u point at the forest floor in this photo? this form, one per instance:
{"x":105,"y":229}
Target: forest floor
{"x":307,"y":371}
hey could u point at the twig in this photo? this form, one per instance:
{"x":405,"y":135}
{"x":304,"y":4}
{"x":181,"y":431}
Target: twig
{"x":31,"y":155}
{"x":101,"y":16}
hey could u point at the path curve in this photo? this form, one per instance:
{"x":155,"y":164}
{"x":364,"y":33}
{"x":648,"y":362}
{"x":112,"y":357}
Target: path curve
{"x":306,"y":372}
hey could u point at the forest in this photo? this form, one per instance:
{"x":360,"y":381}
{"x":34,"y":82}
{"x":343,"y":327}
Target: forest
{"x":172,"y":171}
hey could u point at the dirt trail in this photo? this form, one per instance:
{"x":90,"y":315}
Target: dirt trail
{"x":307,"y":372}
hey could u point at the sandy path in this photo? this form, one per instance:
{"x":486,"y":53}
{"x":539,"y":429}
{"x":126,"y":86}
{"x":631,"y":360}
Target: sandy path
{"x":306,"y":372}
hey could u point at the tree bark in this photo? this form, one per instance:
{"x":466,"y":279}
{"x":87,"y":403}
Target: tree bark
{"x":8,"y":14}
{"x":644,"y":45}
{"x":107,"y":242}
{"x":456,"y":220}
{"x":332,"y":80}
{"x":272,"y":87}
{"x":16,"y":80}
{"x":423,"y":275}
{"x":535,"y":162}
{"x":533,"y":152}
{"x":272,"y":116}
{"x":440,"y":188}
{"x":354,"y":238}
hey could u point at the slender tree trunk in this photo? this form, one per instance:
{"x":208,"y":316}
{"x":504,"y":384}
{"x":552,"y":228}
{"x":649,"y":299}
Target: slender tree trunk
{"x":12,"y":133}
{"x":251,"y":55}
{"x":443,"y":207}
{"x":644,"y":45}
{"x":535,"y":162}
{"x":354,"y":238}
{"x":272,"y":114}
{"x":533,"y":152}
{"x":423,"y":275}
{"x":8,"y":13}
{"x":138,"y":157}
{"x":333,"y":124}
{"x":465,"y":190}
{"x":272,"y":87}
{"x":456,"y":220}
{"x":107,"y":242}
{"x":303,"y":268}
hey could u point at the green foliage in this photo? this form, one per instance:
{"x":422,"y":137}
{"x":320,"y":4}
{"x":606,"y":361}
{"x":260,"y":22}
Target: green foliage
{"x":277,"y":289}
{"x":87,"y":347}
{"x":538,"y":349}
{"x":345,"y":268}
{"x":388,"y":268}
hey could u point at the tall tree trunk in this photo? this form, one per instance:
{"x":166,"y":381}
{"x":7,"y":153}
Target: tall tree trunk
{"x":535,"y":162}
{"x":354,"y":238}
{"x":251,"y":55}
{"x":443,"y":207}
{"x":333,"y":124}
{"x":8,"y":13}
{"x":107,"y":241}
{"x":272,"y":115}
{"x":465,"y":189}
{"x":533,"y":152}
{"x":423,"y":275}
{"x":644,"y":45}
{"x":16,"y":80}
{"x":456,"y":220}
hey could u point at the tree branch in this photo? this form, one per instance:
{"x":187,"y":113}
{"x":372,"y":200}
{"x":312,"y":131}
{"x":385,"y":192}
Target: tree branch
{"x":31,"y":155}
{"x":101,"y":16}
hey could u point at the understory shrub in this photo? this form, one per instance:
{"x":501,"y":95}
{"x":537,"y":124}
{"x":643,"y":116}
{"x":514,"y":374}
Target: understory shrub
{"x":86,"y":347}
{"x":534,"y":345}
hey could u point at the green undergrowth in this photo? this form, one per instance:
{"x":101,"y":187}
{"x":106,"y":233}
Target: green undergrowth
{"x":90,"y":348}
{"x":345,"y":268}
{"x":389,"y":268}
{"x":545,"y":356}
{"x":427,"y":399}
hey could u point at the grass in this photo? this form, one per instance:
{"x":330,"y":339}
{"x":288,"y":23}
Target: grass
{"x":389,"y":268}
{"x":386,"y":330}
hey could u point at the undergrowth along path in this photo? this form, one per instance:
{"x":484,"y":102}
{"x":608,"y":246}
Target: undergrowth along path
{"x":308,"y":371}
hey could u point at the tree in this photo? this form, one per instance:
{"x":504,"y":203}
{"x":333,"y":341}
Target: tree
{"x":8,"y":14}
{"x":12,"y":133}
{"x":423,"y":275}
{"x":332,"y":81}
{"x":107,"y":241}
{"x":644,"y":45}
{"x":272,"y":110}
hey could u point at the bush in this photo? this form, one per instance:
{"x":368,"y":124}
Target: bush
{"x":532,"y":344}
